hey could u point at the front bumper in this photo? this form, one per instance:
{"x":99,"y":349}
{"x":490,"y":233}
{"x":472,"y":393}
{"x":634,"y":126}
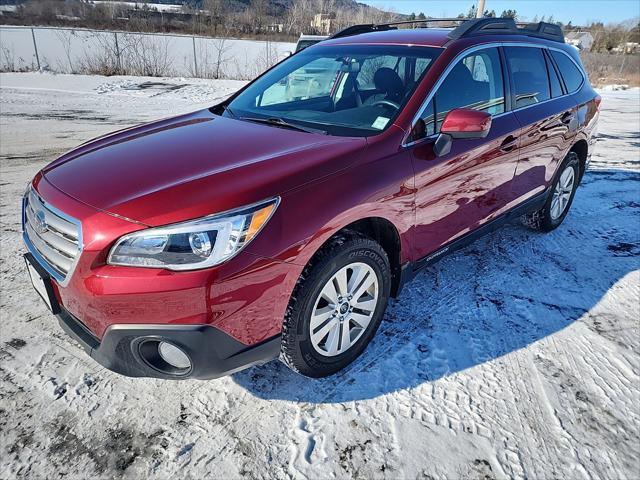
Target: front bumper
{"x":212,"y":352}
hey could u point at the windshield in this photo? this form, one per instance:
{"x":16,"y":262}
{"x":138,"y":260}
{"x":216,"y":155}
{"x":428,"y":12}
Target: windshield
{"x":345,"y":90}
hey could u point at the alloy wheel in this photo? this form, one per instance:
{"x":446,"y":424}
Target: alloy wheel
{"x":562,"y":193}
{"x":343,"y":309}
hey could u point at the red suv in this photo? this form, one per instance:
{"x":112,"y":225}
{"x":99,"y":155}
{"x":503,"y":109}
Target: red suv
{"x":278,"y":223}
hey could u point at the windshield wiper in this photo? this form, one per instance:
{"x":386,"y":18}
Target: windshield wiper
{"x":229,"y":111}
{"x":279,"y":122}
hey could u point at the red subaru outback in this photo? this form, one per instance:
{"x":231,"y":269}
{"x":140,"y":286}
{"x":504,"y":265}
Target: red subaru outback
{"x":278,"y":223}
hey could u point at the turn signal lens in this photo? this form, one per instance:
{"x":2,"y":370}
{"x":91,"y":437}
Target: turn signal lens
{"x":258,"y":219}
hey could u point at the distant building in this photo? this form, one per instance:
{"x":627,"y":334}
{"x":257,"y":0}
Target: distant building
{"x":8,"y":9}
{"x":323,"y":23}
{"x":580,"y":40}
{"x":628,"y":48}
{"x":275,"y":27}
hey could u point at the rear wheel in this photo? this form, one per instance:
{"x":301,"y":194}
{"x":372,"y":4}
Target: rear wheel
{"x":560,"y":198}
{"x":336,"y":306}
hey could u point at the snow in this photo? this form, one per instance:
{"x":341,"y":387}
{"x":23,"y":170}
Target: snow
{"x":616,"y":86}
{"x":160,"y":7}
{"x":516,"y":357}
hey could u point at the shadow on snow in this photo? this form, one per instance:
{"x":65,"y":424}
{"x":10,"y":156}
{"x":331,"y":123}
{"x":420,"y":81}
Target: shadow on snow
{"x":506,"y":291}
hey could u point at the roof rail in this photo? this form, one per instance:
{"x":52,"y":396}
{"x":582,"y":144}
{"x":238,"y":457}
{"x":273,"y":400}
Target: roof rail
{"x":468,"y":27}
{"x":507,"y":26}
{"x":550,"y":31}
{"x":371,"y":27}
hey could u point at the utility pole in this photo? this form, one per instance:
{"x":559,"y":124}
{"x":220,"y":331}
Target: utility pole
{"x":480,"y":11}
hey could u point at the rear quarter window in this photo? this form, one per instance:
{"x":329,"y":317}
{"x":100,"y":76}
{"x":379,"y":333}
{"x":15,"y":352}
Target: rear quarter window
{"x":554,"y":80}
{"x":570,"y":72}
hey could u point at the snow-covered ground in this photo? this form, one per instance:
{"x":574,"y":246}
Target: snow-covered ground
{"x":514,"y":358}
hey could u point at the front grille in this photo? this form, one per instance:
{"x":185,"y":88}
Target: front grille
{"x":51,"y":235}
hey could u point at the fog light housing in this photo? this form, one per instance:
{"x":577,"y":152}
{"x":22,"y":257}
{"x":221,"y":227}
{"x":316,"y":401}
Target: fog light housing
{"x":164,"y":357}
{"x":173,"y":356}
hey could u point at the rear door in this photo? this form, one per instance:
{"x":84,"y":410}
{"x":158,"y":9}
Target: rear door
{"x":547,"y":114}
{"x":458,"y":192}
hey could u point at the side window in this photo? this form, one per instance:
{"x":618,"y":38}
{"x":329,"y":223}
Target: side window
{"x":426,"y":124}
{"x":554,"y":81}
{"x":474,"y":82}
{"x":529,"y":71}
{"x":570,"y":73}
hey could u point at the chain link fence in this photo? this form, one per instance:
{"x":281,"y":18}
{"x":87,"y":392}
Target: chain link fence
{"x":103,"y":52}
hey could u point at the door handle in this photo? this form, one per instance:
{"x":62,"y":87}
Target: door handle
{"x":509,"y":143}
{"x":567,"y":118}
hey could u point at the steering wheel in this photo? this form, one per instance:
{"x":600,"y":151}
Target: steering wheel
{"x":388,"y":103}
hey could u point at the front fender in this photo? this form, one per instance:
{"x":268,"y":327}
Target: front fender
{"x":308,"y":216}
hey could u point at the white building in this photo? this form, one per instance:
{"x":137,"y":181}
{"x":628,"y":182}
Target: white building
{"x":580,"y":40}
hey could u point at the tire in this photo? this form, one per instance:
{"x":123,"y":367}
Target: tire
{"x":550,"y":217}
{"x":316,"y":356}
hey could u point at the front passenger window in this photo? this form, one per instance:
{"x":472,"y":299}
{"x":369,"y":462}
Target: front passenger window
{"x":474,"y":82}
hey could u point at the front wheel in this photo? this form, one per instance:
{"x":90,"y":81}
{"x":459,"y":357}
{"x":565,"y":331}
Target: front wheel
{"x":336,"y":306}
{"x":560,"y":198}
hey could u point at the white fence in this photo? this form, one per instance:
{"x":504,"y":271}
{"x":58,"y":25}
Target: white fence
{"x":66,"y":50}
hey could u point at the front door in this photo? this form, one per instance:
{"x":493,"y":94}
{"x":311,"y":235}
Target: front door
{"x":460,"y":191}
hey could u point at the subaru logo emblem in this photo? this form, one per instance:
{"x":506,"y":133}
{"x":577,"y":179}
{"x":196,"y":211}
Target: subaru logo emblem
{"x":41,"y":222}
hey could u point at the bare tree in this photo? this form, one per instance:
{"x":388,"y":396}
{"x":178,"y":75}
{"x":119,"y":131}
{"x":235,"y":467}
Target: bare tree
{"x":146,"y":55}
{"x":218,"y":12}
{"x":8,"y":60}
{"x":101,"y":56}
{"x":221,"y":57}
{"x":66,"y":38}
{"x":258,"y":14}
{"x":299,"y":15}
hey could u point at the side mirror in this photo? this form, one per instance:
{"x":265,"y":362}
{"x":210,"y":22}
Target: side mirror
{"x":461,"y":123}
{"x":466,"y":123}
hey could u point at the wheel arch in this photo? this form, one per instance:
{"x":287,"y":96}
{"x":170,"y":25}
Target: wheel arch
{"x":581,"y":148}
{"x":386,"y":234}
{"x":378,"y":228}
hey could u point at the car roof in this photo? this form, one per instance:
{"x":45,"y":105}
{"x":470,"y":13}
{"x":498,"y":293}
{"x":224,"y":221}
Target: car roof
{"x":428,"y":37}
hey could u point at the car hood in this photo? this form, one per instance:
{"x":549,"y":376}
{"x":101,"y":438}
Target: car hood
{"x":194,"y":165}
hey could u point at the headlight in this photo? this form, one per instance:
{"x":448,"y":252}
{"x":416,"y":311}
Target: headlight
{"x":194,"y":244}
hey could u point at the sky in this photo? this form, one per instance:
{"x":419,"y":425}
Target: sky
{"x":578,"y":11}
